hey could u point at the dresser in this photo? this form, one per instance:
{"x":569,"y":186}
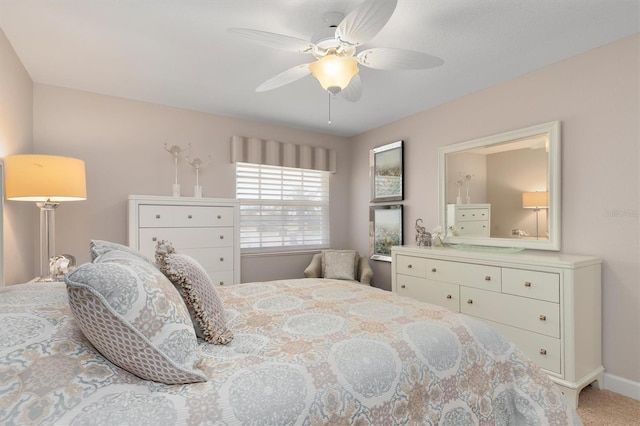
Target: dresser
{"x":470,"y":220}
{"x":548,"y":304}
{"x":206,"y":229}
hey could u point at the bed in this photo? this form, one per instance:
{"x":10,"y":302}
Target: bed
{"x":305,"y":351}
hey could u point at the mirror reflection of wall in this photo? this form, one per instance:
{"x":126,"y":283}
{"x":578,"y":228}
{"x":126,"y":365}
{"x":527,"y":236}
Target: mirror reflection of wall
{"x":499,"y":176}
{"x":510,"y":173}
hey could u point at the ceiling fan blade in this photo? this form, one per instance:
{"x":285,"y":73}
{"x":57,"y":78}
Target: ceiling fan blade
{"x":384,"y":58}
{"x":279,"y":41}
{"x":285,"y":77}
{"x":364,"y":22}
{"x":353,"y":91}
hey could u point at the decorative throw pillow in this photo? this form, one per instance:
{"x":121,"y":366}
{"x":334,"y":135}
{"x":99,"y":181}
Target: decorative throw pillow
{"x":199,"y":292}
{"x":134,"y":316}
{"x":340,"y":264}
{"x":100,"y":247}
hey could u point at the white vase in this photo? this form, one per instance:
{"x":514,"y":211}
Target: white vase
{"x":197,"y":191}
{"x":175,"y":190}
{"x":458,"y":200}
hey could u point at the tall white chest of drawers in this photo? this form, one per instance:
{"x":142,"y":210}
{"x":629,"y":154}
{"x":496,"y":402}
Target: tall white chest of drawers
{"x":206,"y":229}
{"x":548,"y":304}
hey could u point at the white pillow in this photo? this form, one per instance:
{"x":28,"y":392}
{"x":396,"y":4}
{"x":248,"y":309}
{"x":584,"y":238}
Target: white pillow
{"x":135,"y":317}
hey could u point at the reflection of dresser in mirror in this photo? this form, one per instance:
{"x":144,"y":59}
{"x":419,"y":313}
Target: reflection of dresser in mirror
{"x":469,"y":220}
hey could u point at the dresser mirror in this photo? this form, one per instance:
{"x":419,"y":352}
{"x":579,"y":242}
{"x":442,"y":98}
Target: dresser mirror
{"x":502,"y":190}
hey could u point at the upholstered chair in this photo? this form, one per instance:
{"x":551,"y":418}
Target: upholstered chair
{"x":323,"y":265}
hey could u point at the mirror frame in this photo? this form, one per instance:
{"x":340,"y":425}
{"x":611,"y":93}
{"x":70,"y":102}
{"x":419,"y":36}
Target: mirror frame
{"x":553,"y":178}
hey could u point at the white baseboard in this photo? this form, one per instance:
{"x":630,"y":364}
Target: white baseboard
{"x":622,"y":386}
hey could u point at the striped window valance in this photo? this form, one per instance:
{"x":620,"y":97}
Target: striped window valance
{"x":274,"y":153}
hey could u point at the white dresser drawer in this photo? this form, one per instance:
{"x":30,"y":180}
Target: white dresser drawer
{"x":414,"y":266}
{"x":533,"y":284}
{"x":543,"y":350}
{"x":184,"y":216}
{"x":475,"y":228}
{"x":222,"y":277}
{"x":184,"y":237}
{"x":436,"y":293}
{"x":481,"y":276}
{"x":464,"y":215}
{"x":212,"y":259}
{"x":534,"y":315}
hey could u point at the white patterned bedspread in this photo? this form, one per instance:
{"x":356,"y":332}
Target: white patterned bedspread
{"x":307,"y":351}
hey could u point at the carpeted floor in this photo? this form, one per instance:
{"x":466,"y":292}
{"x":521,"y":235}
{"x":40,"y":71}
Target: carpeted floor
{"x":606,"y":408}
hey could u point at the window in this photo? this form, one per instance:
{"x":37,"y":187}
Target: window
{"x":282,"y":208}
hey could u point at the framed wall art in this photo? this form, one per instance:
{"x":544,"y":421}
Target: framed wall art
{"x":386,"y":172}
{"x":385,"y":230}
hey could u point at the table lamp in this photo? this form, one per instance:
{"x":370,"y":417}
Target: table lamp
{"x":46,"y":180}
{"x":535,"y":201}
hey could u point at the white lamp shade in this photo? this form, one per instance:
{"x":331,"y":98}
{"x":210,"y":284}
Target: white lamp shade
{"x":334,"y":71}
{"x":535,"y":200}
{"x":42,"y":178}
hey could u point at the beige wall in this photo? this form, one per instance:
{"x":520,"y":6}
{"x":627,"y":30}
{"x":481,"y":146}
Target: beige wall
{"x":596,"y":96}
{"x":16,"y":124}
{"x":121,"y":142}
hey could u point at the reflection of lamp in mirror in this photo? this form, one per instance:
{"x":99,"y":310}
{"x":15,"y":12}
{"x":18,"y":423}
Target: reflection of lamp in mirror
{"x":47,"y":180}
{"x":535,"y":201}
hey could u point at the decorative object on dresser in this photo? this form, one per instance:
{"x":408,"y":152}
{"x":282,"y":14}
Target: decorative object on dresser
{"x":197,"y":164}
{"x":536,"y":201}
{"x":548,"y":304}
{"x":206,"y":229}
{"x":175,"y":152}
{"x":471,"y":220}
{"x":503,"y":166}
{"x":385,"y":230}
{"x":423,"y":238}
{"x":46,"y":180}
{"x":386,"y":172}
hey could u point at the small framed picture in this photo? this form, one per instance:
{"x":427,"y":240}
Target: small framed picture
{"x":386,"y":172}
{"x":385,"y":230}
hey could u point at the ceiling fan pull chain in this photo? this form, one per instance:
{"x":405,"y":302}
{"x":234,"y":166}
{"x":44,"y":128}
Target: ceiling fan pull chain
{"x":329,"y":93}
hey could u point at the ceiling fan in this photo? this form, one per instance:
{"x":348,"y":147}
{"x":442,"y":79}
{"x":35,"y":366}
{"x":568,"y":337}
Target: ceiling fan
{"x":335,"y":50}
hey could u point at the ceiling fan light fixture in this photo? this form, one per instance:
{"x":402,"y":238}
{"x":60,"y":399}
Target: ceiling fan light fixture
{"x":334,"y":72}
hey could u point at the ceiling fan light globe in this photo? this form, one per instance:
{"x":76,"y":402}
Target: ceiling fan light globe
{"x":334,"y":72}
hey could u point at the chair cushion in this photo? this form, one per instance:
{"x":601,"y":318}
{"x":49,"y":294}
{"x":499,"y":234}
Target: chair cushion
{"x":340,"y":264}
{"x":134,"y":316}
{"x":199,"y":293}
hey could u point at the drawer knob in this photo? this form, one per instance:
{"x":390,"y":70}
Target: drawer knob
{"x":221,"y":282}
{"x":190,"y":216}
{"x":222,"y":259}
{"x":448,"y":296}
{"x":154,"y":239}
{"x":222,"y":237}
{"x":433,"y":269}
{"x":543,"y":351}
{"x":219,"y":216}
{"x":487,"y":278}
{"x":527,"y":284}
{"x":469,"y":301}
{"x":409,"y":266}
{"x":403,"y":286}
{"x":543,"y":317}
{"x":157,"y":216}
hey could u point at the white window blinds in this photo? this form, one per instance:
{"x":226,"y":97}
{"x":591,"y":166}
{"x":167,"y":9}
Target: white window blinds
{"x":282,"y":208}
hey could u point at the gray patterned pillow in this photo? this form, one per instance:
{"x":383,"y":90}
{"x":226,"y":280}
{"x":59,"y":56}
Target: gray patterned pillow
{"x":134,"y":316}
{"x":340,"y":264}
{"x":99,"y":247}
{"x":200,"y":294}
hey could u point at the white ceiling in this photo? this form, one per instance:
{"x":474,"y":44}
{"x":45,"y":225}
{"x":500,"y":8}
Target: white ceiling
{"x":179,"y":53}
